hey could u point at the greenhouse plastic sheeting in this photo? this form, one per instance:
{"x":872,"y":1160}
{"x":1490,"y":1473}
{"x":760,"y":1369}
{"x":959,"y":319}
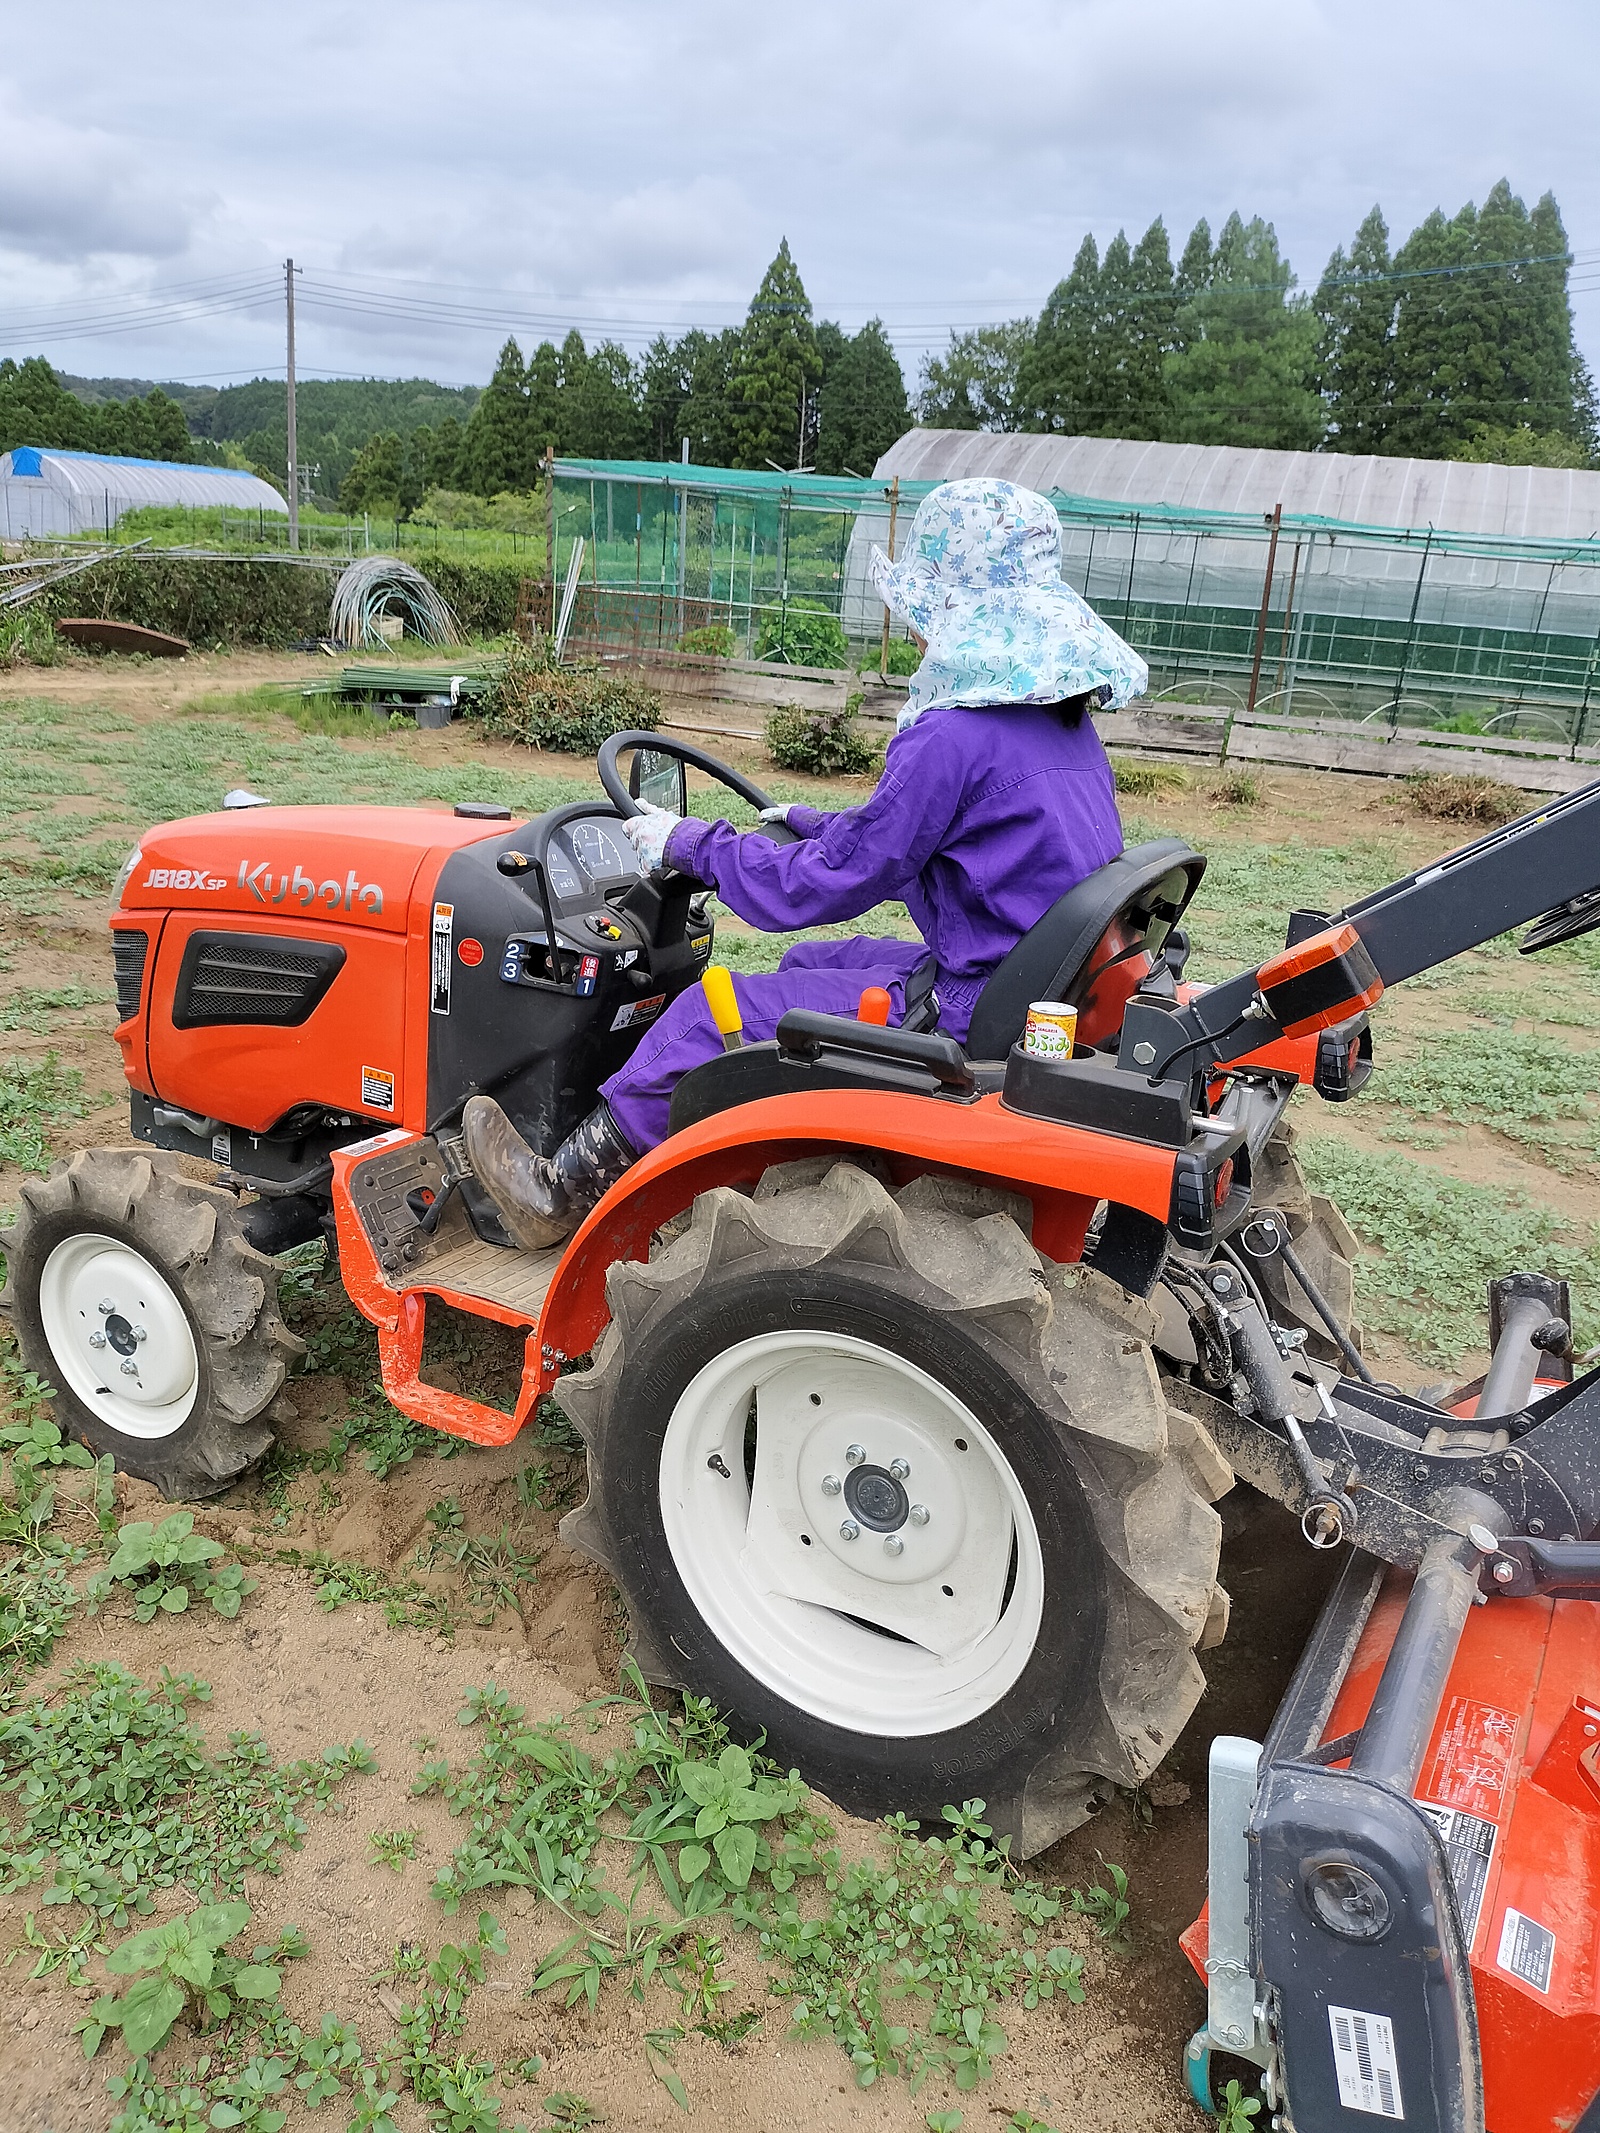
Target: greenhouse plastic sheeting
{"x":47,"y":494}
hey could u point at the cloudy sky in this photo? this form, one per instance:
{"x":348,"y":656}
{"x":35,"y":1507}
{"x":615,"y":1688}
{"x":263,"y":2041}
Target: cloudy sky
{"x":446,"y":174}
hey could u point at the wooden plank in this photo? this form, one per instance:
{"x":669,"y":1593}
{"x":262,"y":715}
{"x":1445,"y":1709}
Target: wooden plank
{"x":1163,"y":732}
{"x":770,"y":686}
{"x":1399,"y":759}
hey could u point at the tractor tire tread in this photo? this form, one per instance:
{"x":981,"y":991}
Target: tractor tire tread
{"x":1080,"y":1347}
{"x":193,"y":1232}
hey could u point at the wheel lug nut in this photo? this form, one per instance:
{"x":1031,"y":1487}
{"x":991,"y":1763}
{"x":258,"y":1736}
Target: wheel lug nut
{"x":130,"y":1368}
{"x":139,"y":1333}
{"x":849,"y":1530}
{"x":919,"y":1514}
{"x":97,"y":1340}
{"x":854,"y":1454}
{"x":893,"y":1544}
{"x":900,"y":1469}
{"x":106,"y":1307}
{"x":831,"y":1484}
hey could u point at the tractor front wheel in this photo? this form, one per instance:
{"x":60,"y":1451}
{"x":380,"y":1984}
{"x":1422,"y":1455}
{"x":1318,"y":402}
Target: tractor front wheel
{"x":133,"y":1291}
{"x":884,"y":1485}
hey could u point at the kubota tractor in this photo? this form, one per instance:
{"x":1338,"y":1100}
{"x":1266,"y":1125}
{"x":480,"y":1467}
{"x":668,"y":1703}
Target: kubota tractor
{"x":916,"y":1369}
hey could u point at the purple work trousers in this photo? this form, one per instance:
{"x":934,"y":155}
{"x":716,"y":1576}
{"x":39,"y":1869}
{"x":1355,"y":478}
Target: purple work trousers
{"x":827,"y":976}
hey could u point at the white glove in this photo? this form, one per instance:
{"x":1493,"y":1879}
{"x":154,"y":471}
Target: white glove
{"x":648,"y":832}
{"x":774,"y":814}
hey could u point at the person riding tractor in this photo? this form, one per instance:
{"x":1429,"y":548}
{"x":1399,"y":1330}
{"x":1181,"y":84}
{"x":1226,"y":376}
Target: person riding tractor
{"x":996,"y":798}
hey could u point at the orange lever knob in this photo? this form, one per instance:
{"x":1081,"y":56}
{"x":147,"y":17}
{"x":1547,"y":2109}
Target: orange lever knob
{"x":874,"y":1005}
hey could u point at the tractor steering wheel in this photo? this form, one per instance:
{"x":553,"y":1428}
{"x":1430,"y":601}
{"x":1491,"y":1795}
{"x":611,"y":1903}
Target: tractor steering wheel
{"x":616,"y":786}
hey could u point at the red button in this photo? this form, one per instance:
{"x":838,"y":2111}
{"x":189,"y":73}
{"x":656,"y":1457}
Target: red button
{"x":470,"y":951}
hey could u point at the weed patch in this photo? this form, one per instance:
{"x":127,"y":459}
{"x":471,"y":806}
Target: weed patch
{"x":406,"y":1604}
{"x":1453,"y":797}
{"x":1523,"y":1086}
{"x":268,"y":699}
{"x":37,"y":1097}
{"x":117,"y":1795}
{"x":259,"y":2063}
{"x":906,"y":1961}
{"x":167,"y":1564}
{"x":545,"y":705}
{"x":1147,"y":777}
{"x":36,"y":1007}
{"x":829,"y":744}
{"x":1236,"y":788}
{"x":1436,"y":1243}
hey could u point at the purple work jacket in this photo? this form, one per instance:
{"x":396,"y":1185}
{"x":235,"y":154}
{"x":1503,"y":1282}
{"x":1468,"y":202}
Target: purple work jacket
{"x":980,"y":821}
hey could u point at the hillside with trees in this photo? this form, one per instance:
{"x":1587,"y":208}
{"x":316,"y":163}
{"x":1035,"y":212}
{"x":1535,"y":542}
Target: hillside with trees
{"x":36,"y":408}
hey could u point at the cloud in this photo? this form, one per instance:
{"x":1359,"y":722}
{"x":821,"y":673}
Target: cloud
{"x":68,"y":195}
{"x":623,"y":166}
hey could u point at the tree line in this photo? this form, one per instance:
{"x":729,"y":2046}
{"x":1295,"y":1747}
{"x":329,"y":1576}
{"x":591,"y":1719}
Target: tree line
{"x":35,"y":408}
{"x":776,"y":391}
{"x":1457,"y":343}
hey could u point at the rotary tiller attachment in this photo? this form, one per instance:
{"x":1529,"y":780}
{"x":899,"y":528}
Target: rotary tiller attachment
{"x":1404,"y":1893}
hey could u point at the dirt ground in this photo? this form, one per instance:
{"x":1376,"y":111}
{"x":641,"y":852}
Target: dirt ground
{"x":304,"y":1676}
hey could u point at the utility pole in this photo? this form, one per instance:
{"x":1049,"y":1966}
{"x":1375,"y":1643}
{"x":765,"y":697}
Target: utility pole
{"x":550,"y":528}
{"x":294,"y":471}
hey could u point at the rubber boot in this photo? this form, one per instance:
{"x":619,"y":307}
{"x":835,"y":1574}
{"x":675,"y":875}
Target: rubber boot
{"x":543,"y":1198}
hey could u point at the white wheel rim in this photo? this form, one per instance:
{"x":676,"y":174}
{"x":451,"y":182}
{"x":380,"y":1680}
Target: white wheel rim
{"x":789,"y":1595}
{"x":120,"y":1341}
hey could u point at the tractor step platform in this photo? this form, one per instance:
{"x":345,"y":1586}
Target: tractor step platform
{"x":517,"y":1281}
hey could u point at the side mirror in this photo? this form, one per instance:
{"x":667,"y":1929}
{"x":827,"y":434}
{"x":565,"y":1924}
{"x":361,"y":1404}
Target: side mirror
{"x":660,"y":779}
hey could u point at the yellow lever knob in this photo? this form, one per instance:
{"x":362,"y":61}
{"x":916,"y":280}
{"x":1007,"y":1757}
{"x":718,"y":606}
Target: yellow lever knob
{"x":723,"y":1001}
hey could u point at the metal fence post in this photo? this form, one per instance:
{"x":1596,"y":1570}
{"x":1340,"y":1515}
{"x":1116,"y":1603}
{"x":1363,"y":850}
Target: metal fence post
{"x":1275,"y":521}
{"x":1588,"y":685}
{"x":1411,"y":631}
{"x":894,"y":512}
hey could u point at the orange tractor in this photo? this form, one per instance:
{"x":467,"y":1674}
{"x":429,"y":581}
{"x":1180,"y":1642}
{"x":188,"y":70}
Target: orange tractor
{"x":915,"y":1370}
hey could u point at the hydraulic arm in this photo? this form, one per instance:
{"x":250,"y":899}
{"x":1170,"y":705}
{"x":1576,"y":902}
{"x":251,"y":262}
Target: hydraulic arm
{"x":1543,"y":867}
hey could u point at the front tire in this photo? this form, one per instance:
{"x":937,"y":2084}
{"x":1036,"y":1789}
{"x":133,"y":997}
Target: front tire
{"x":1033,"y":1557}
{"x":133,"y":1291}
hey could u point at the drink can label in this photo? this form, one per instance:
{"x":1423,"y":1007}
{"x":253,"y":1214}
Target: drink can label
{"x":1052,"y":1030}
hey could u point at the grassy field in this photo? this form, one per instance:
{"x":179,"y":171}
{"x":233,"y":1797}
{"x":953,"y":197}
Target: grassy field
{"x":380,"y":1712}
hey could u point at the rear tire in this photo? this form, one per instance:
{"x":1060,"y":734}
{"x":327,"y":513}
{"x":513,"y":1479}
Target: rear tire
{"x":174,"y":1378}
{"x":1031,"y":1640}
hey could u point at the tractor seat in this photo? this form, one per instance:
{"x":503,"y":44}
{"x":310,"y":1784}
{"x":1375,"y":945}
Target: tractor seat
{"x":1130,"y":905}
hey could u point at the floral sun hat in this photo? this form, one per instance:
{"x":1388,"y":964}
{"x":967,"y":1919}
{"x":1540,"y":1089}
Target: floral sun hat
{"x":981,"y":581}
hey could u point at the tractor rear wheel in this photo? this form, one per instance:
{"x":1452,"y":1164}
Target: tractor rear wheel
{"x":881,"y":1483}
{"x":133,"y":1291}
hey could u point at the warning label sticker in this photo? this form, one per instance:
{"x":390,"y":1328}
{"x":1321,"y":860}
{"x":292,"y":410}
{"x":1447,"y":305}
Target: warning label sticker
{"x":633,"y":1011}
{"x":1472,"y":1764}
{"x":444,"y":919}
{"x":1527,"y":1950}
{"x":1469,"y":1847}
{"x":1365,"y":2063}
{"x":377,"y":1090}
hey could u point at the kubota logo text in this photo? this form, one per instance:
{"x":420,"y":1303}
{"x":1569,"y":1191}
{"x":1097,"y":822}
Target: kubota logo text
{"x":305,"y":889}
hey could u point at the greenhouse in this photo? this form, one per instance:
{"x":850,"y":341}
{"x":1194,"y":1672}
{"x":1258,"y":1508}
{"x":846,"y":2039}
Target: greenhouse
{"x":1460,"y":594}
{"x":47,"y":494}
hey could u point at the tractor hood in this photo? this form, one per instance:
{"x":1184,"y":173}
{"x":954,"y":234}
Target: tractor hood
{"x":349,"y":865}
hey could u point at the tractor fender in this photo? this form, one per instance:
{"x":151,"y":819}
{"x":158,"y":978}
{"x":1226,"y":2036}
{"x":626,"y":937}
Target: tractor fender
{"x":1063,"y":1170}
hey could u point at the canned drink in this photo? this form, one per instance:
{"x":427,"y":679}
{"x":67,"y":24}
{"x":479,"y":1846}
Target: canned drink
{"x":1052,"y":1030}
